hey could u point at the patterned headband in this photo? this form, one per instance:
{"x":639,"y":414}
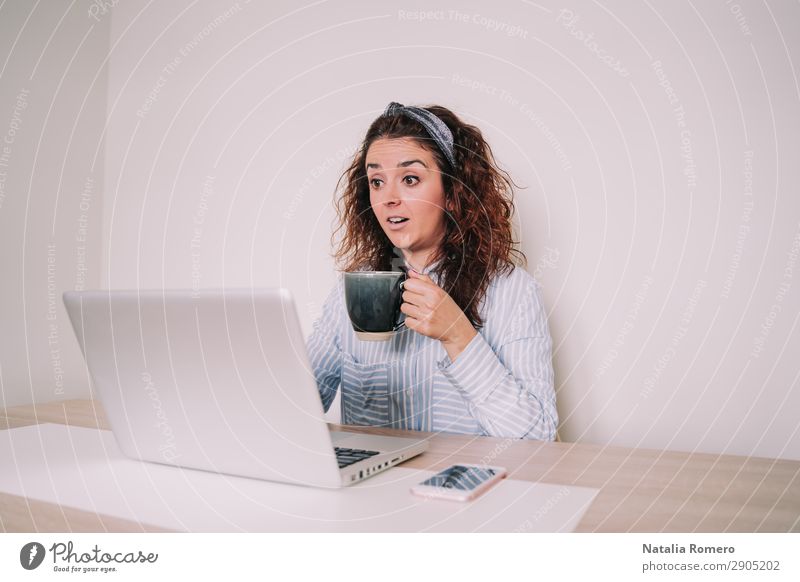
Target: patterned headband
{"x":435,"y":127}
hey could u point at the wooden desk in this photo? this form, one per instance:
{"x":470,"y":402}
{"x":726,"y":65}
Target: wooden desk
{"x":640,"y":490}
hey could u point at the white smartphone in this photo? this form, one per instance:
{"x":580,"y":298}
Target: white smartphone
{"x":460,"y":482}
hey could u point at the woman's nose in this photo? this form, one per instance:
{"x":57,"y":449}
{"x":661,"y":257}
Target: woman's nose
{"x":389,"y":194}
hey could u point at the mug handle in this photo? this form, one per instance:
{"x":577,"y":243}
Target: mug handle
{"x":400,"y":323}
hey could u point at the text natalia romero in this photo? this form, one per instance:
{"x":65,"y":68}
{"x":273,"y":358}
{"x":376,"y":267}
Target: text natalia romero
{"x":693,"y":549}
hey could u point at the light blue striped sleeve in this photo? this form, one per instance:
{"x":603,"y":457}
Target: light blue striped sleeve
{"x":509,"y":389}
{"x":324,"y":345}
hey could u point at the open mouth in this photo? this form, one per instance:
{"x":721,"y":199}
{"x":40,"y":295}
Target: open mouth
{"x":396,"y":223}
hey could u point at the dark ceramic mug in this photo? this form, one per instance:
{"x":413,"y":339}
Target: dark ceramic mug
{"x":373,"y":300}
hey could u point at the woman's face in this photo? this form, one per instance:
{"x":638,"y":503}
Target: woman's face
{"x":405,"y":182}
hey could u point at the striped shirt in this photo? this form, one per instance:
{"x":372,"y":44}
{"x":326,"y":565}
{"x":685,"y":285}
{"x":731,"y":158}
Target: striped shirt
{"x":500,"y":385}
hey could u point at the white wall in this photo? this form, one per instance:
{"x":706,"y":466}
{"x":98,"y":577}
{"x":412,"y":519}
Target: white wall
{"x":52,"y":110}
{"x":657,"y":143}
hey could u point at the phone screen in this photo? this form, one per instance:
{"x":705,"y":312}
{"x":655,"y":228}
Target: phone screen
{"x":460,"y":477}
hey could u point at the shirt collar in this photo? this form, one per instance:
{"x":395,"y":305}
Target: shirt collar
{"x":427,"y":270}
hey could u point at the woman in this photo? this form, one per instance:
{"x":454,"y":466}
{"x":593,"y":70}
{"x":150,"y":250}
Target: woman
{"x":475,"y":355}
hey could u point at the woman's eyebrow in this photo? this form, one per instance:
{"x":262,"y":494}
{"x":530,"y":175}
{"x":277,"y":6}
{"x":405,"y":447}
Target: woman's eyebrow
{"x":400,"y":165}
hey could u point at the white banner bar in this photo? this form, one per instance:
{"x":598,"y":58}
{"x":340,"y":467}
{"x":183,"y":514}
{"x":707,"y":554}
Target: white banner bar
{"x":479,"y":557}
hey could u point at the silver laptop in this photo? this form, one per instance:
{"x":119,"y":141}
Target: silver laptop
{"x":219,"y":380}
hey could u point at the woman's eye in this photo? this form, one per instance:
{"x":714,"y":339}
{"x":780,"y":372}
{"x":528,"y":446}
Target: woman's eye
{"x":375,"y":182}
{"x":410,"y":180}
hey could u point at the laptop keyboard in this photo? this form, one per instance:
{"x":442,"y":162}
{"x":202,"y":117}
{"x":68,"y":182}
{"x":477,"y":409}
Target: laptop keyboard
{"x":347,"y":457}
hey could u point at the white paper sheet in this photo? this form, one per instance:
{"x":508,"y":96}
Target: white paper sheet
{"x":84,"y":469}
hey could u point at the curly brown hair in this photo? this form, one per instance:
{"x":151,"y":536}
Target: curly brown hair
{"x":478,"y":244}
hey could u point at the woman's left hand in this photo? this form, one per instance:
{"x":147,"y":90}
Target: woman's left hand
{"x":432,"y":312}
